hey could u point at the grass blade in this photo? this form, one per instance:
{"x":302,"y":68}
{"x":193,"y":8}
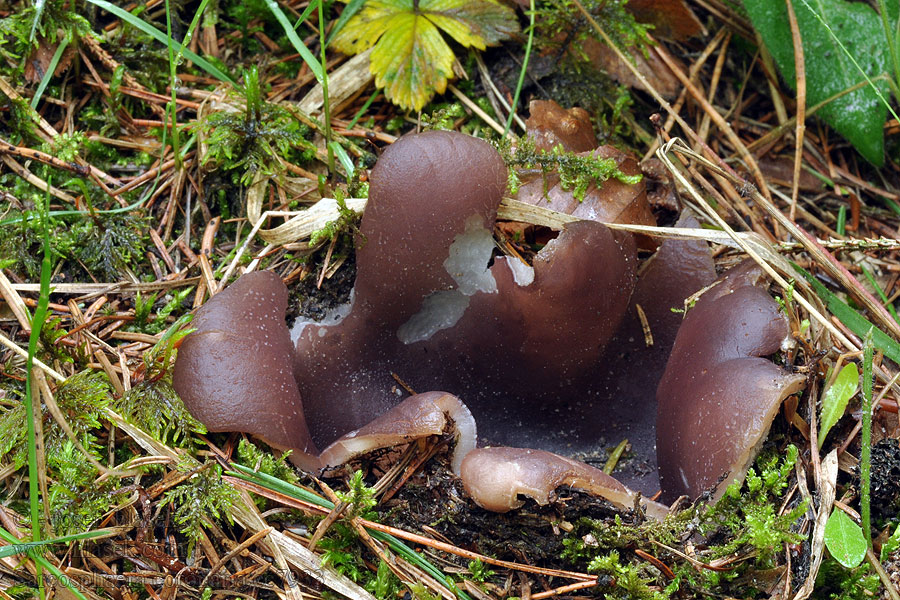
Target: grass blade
{"x":175,"y":55}
{"x":37,"y":323}
{"x":343,"y":158}
{"x":881,"y":295}
{"x":865,"y":455}
{"x":51,"y":68}
{"x":298,"y":44}
{"x":351,"y":9}
{"x":521,"y":82}
{"x":161,"y":37}
{"x":854,"y":321}
{"x":42,"y":562}
{"x":23,"y":547}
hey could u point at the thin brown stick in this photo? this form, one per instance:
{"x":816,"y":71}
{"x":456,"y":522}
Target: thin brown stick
{"x":714,"y":84}
{"x":777,"y":132}
{"x":368,"y":540}
{"x":565,"y":589}
{"x":800,"y":67}
{"x":825,"y":259}
{"x":405,"y":535}
{"x":889,"y":585}
{"x":143,"y":178}
{"x":34,"y":180}
{"x":233,"y":553}
{"x":717,"y":119}
{"x":111,"y":64}
{"x":42,"y":157}
{"x":682,"y":96}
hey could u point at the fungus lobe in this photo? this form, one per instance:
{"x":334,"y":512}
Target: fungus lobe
{"x":719,"y":396}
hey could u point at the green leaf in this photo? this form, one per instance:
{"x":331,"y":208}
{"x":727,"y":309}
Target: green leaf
{"x":890,"y":546}
{"x":860,"y":115}
{"x":844,"y":539}
{"x":411,"y":60}
{"x":835,"y":399}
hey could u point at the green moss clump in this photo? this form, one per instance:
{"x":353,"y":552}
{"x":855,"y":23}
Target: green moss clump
{"x":359,"y":496}
{"x":607,"y":549}
{"x":385,"y":585}
{"x":341,"y":545}
{"x":347,"y":223}
{"x":251,"y":455}
{"x":202,"y":496}
{"x":145,"y":321}
{"x":81,"y":399}
{"x":12,"y":435}
{"x":152,"y":404}
{"x":156,"y":408}
{"x":631,"y":581}
{"x":747,"y":515}
{"x":76,"y":501}
{"x":106,"y":245}
{"x":563,"y":24}
{"x":575,"y":80}
{"x":252,"y":141}
{"x":32,"y":22}
{"x":744,"y":522}
{"x":835,"y":582}
{"x":575,"y":172}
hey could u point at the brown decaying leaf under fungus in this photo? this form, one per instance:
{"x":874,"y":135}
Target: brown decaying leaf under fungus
{"x":527,"y":348}
{"x":551,"y":126}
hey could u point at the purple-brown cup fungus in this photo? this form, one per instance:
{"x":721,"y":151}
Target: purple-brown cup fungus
{"x":551,"y":355}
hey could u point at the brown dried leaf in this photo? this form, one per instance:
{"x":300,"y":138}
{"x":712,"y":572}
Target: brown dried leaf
{"x":39,"y":61}
{"x":551,"y":125}
{"x":650,"y":66}
{"x":671,"y":19}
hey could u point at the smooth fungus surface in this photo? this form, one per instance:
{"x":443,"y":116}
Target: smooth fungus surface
{"x":563,"y":355}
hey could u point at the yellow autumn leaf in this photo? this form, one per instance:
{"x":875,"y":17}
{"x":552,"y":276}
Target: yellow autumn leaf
{"x":362,"y":31}
{"x":411,"y":60}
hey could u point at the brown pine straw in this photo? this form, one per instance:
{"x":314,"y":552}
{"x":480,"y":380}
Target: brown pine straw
{"x":800,"y":67}
{"x":717,"y":119}
{"x":565,"y":589}
{"x":405,"y":535}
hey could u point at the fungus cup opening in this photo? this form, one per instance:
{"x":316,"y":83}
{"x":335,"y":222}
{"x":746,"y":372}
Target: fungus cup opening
{"x":554,"y":354}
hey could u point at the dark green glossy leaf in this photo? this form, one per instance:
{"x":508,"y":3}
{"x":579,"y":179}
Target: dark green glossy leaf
{"x":859,"y":116}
